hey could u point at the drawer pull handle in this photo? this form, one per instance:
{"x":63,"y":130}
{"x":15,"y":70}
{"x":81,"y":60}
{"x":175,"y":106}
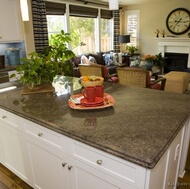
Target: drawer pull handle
{"x":40,"y":134}
{"x":63,"y":164}
{"x":70,"y":167}
{"x":4,"y":117}
{"x":99,"y":162}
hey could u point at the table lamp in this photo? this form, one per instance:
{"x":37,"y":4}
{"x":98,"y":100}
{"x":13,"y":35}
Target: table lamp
{"x":124,"y":39}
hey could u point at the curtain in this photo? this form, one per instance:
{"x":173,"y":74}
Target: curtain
{"x":39,"y":24}
{"x":116,"y":17}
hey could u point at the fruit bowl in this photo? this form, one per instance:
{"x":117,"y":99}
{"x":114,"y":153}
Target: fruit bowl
{"x":87,"y":81}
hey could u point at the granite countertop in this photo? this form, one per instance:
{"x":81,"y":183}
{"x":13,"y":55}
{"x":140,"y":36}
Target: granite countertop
{"x":138,"y":128}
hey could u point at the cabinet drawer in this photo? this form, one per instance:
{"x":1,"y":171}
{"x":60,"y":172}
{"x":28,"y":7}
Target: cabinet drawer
{"x":9,"y":118}
{"x":108,"y":163}
{"x":46,"y":135}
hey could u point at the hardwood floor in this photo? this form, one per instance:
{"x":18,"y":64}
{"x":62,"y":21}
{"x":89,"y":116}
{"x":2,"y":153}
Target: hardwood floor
{"x":9,"y":180}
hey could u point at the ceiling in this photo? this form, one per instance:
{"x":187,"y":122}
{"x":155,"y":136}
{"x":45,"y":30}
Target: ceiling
{"x":105,"y":2}
{"x":131,"y":2}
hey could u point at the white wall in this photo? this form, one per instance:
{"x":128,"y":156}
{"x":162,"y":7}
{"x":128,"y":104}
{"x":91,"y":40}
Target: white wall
{"x":28,"y":32}
{"x":153,"y":16}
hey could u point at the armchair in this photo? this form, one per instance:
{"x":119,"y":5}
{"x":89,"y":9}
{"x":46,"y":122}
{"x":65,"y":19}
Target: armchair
{"x":97,"y":70}
{"x":140,"y":78}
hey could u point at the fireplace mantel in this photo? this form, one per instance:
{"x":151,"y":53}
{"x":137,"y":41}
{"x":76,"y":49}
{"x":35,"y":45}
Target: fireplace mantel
{"x":174,"y":45}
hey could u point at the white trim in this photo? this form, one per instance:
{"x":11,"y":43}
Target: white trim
{"x":174,"y":45}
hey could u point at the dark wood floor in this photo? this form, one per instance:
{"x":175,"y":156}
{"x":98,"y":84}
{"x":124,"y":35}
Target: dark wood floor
{"x":9,"y":180}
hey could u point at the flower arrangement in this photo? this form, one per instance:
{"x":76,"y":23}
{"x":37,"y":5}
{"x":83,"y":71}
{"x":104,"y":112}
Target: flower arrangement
{"x":149,"y":58}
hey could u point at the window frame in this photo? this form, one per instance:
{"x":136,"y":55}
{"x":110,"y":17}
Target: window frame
{"x":102,"y":13}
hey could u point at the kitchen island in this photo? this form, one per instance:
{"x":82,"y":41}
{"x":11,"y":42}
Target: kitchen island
{"x":141,"y":137}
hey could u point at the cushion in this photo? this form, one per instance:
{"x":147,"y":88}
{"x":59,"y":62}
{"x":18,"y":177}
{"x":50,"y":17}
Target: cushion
{"x":108,"y":59}
{"x":92,"y":60}
{"x":98,"y":57}
{"x":105,"y":71}
{"x":115,"y":58}
{"x":84,"y":60}
{"x":87,"y":59}
{"x":156,"y":86}
{"x":76,"y":60}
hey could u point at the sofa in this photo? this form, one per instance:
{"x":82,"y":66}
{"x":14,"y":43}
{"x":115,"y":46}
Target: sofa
{"x":102,"y":58}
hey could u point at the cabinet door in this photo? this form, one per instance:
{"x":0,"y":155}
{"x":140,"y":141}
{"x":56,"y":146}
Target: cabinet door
{"x":10,"y":21}
{"x":49,"y":166}
{"x":12,"y":150}
{"x":87,"y":177}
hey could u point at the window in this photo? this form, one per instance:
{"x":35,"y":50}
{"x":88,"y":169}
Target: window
{"x":82,"y":30}
{"x":55,"y":25}
{"x":106,"y":34}
{"x":84,"y":26}
{"x":133,"y":20}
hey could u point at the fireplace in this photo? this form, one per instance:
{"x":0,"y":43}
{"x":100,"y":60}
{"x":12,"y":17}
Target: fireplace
{"x":175,"y":62}
{"x":177,"y":53}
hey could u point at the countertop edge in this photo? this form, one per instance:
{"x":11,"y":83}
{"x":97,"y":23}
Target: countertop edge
{"x":145,"y":164}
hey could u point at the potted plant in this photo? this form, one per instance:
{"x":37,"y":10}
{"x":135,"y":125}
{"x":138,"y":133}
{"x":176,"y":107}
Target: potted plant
{"x":149,"y":61}
{"x":43,"y":67}
{"x":58,"y":52}
{"x":159,"y":62}
{"x":131,"y":49}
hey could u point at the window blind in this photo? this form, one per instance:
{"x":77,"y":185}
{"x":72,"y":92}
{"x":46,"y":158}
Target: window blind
{"x":55,"y":8}
{"x":106,"y":14}
{"x":81,"y":11}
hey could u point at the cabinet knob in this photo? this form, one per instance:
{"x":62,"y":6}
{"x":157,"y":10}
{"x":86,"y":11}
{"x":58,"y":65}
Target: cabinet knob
{"x":1,"y":37}
{"x":40,"y":134}
{"x":99,"y":162}
{"x":70,"y":167}
{"x":63,"y":164}
{"x":4,"y":117}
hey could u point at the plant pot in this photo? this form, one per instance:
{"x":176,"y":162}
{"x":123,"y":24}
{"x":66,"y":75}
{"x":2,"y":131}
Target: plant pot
{"x":148,"y":65}
{"x":36,"y":87}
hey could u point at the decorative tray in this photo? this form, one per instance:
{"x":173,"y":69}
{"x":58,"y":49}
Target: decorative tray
{"x":108,"y":101}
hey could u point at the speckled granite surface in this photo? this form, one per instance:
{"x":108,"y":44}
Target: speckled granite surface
{"x":139,"y":128}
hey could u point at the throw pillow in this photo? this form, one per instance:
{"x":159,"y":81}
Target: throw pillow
{"x":84,"y":60}
{"x":115,"y":59}
{"x":92,"y":60}
{"x":108,"y":59}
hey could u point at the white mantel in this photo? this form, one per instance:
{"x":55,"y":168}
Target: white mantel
{"x":174,"y":45}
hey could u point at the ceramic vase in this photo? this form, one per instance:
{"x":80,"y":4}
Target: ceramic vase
{"x":148,"y":65}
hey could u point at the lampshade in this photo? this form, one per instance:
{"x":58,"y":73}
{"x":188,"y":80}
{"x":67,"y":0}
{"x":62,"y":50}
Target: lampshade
{"x":113,"y":5}
{"x":24,"y":10}
{"x":124,"y":39}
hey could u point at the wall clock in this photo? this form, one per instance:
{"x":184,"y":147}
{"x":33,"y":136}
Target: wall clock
{"x":178,"y":21}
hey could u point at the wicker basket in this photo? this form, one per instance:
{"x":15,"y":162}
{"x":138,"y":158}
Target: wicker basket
{"x":92,"y":83}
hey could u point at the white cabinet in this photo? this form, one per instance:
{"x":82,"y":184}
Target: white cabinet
{"x":11,"y":145}
{"x":10,"y":21}
{"x":84,"y":176}
{"x":165,"y":173}
{"x":48,"y":161}
{"x":96,"y":169}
